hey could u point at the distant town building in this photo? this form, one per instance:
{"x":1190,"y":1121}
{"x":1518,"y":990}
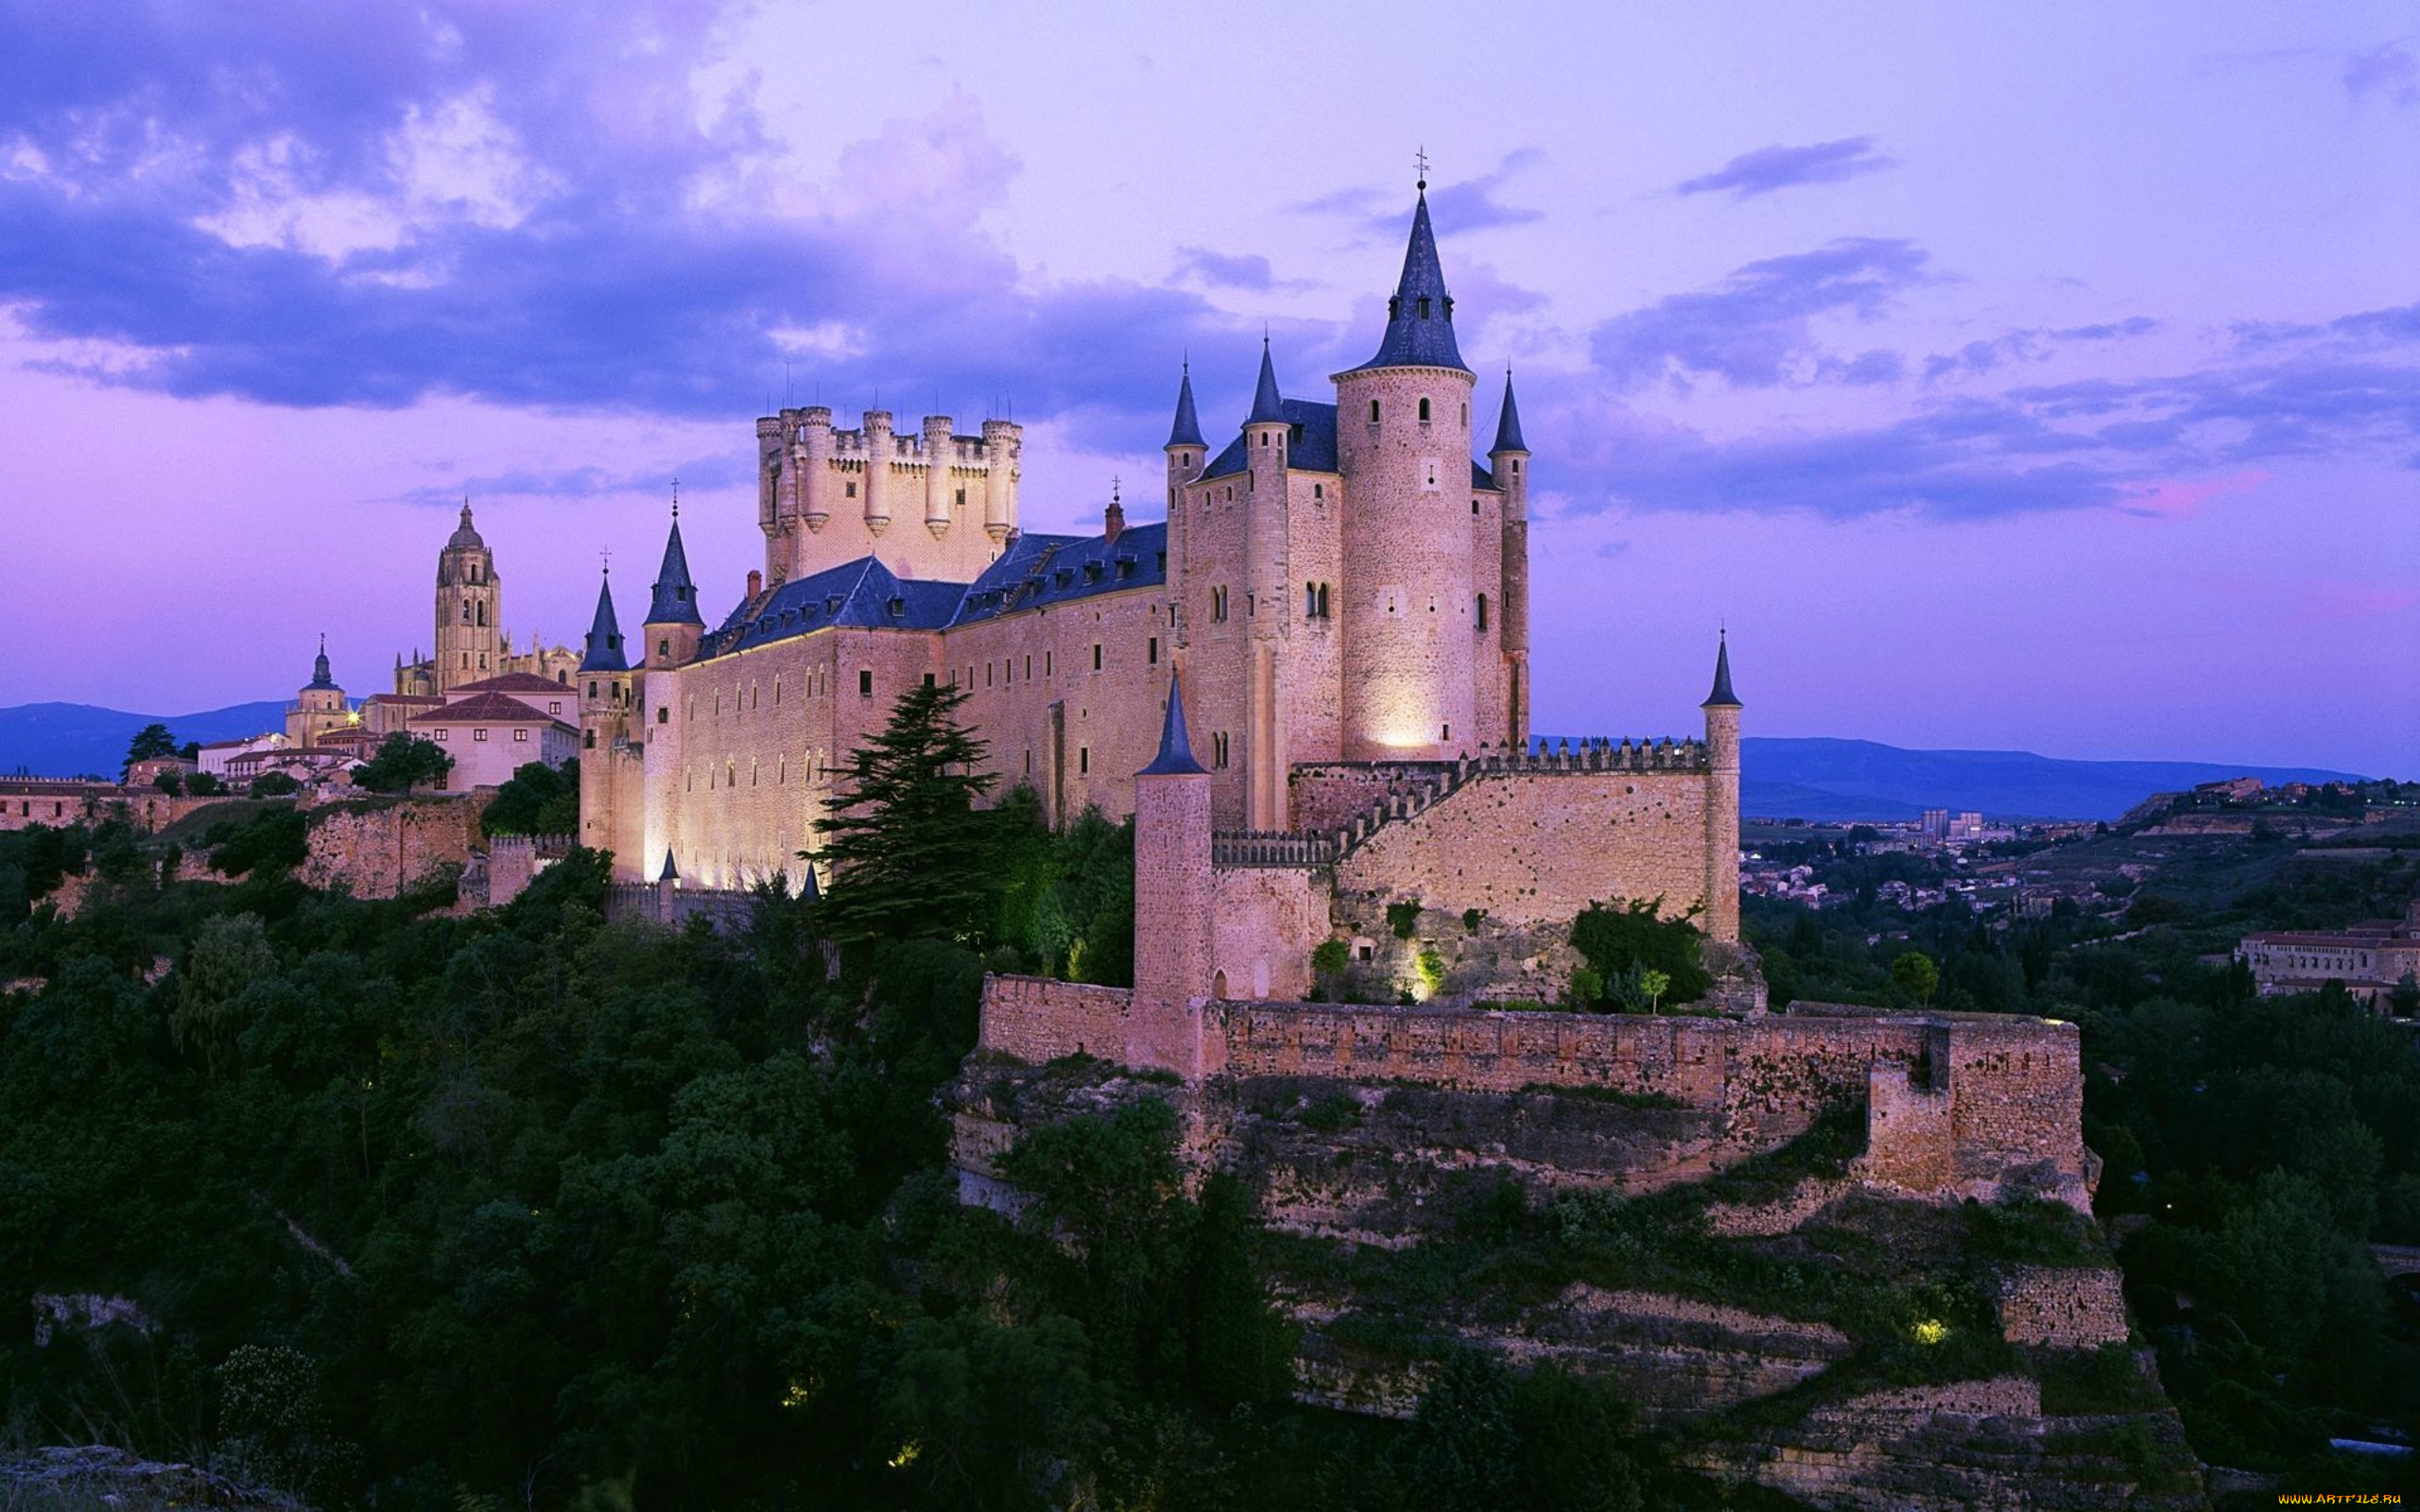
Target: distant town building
{"x":2370,"y":958}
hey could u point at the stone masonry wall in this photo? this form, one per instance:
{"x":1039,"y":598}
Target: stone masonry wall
{"x":379,"y":852}
{"x":1533,"y":848}
{"x":1264,"y":922}
{"x":1768,"y":1077}
{"x":2066,"y":1307}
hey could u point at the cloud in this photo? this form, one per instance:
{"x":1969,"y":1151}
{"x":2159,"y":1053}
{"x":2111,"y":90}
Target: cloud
{"x":1768,"y":169}
{"x":1223,"y":270}
{"x":716,"y":470}
{"x":1466,"y":205}
{"x":1755,"y":328}
{"x":2389,"y":70}
{"x":2032,"y":345}
{"x":2161,"y":446}
{"x":308,"y":210}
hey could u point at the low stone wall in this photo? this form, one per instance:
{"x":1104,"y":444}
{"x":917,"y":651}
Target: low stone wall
{"x":1958,"y":1104}
{"x":2068,"y":1307}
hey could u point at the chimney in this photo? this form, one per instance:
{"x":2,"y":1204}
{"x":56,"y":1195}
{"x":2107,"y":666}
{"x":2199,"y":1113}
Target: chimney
{"x":1113,"y":520}
{"x":756,"y":584}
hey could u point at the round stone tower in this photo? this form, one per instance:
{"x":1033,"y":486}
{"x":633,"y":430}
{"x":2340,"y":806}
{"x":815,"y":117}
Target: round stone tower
{"x":1403,"y":430}
{"x":470,"y":640}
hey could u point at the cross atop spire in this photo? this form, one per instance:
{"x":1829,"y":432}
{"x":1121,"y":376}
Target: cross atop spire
{"x":1420,"y":157}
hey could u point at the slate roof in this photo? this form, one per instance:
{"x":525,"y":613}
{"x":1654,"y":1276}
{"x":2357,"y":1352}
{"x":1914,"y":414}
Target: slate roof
{"x":1187,"y":429}
{"x":1420,"y":317}
{"x":1035,"y":572}
{"x":1508,"y":421}
{"x":1266,"y":405}
{"x":1722,"y":698}
{"x":1175,"y":758}
{"x":1311,"y":447}
{"x":676,"y":596}
{"x":465,"y":538}
{"x":604,"y":648}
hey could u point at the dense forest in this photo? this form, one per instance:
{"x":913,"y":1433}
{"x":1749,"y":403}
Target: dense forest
{"x":384,"y":1204}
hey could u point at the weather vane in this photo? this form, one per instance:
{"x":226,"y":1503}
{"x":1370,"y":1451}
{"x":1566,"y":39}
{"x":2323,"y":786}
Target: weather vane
{"x":605,"y":555}
{"x":1420,"y":157}
{"x":676,"y":498}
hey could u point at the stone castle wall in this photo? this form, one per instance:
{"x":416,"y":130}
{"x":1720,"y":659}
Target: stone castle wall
{"x":380,"y":851}
{"x":59,"y":802}
{"x":1538,"y":847}
{"x":2068,"y":1307}
{"x":2007,"y":1078}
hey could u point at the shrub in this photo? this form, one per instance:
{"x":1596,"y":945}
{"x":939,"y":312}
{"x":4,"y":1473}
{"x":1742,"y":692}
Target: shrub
{"x":1330,"y":956}
{"x":1431,"y":966}
{"x":1614,"y":939}
{"x":1404,"y":919}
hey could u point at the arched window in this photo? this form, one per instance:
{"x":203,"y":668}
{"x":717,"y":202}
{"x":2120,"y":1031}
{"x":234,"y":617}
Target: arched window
{"x":1424,"y":403}
{"x":1374,"y":412}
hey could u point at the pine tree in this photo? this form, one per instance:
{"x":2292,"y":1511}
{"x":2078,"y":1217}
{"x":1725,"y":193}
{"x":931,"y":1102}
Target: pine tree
{"x":911,"y":856}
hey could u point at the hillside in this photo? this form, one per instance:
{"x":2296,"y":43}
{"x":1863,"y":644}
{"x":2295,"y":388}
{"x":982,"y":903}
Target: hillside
{"x":79,"y":739}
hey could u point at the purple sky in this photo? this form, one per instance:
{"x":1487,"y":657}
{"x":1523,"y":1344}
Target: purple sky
{"x":2040,"y":376}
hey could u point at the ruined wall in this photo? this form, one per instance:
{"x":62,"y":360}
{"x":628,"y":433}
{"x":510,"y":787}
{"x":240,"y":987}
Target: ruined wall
{"x":380,"y":851}
{"x":1039,"y":1021}
{"x":1910,"y":1138}
{"x":1537,"y":847}
{"x":25,"y":802}
{"x":2068,"y":1307}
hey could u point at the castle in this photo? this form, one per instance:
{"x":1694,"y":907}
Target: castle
{"x":1342,"y":588}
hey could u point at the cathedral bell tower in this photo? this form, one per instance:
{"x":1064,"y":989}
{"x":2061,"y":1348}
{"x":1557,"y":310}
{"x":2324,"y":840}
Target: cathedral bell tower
{"x":470,"y":640}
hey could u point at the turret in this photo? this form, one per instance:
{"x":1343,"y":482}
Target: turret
{"x":1410,"y":604}
{"x":879,"y":452}
{"x":1187,"y":453}
{"x":1002,"y":442}
{"x":1173,"y":887}
{"x":776,"y":490}
{"x":811,"y":458}
{"x":1509,"y":461}
{"x":1266,"y":436}
{"x":938,"y":482}
{"x":606,"y":699}
{"x":673,"y":623}
{"x":1721,"y":708}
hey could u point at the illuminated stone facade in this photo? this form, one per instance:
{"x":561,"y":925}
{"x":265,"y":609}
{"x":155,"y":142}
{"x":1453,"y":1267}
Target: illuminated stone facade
{"x":1342,"y":587}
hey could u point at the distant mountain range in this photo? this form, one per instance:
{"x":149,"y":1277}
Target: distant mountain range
{"x":1779,"y":778}
{"x":79,"y":740}
{"x":1862,"y":780}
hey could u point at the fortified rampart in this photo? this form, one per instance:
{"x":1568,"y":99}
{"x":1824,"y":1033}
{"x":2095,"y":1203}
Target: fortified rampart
{"x":2000,"y":1098}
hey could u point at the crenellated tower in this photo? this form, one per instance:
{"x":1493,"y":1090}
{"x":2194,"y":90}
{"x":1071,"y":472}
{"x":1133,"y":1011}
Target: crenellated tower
{"x":1403,"y":429}
{"x":469,"y":634}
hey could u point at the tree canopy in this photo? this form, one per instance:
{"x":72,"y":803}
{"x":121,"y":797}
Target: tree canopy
{"x":402,"y":761}
{"x":911,"y":854}
{"x":149,"y":743}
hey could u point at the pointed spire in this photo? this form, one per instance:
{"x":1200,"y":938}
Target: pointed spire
{"x":676,"y":596}
{"x":1508,"y":421}
{"x":811,"y":890}
{"x":604,"y":651}
{"x":1176,"y":752}
{"x":1187,"y":429}
{"x":1420,"y":317}
{"x":1722,"y":698}
{"x":1266,"y":406}
{"x":670,"y":872}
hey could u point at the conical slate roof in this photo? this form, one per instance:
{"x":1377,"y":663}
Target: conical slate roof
{"x":1176,"y":752}
{"x":1267,"y":406}
{"x":1187,"y":429}
{"x":604,"y":652}
{"x":1420,"y":317}
{"x":676,"y":598}
{"x":1508,"y":422}
{"x":1722,"y":698}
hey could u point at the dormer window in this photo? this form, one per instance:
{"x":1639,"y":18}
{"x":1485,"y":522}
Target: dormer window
{"x":1423,"y":308}
{"x":1294,"y":436}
